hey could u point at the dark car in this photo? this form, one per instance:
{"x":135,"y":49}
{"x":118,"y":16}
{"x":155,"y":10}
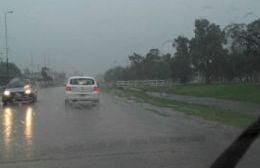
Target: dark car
{"x":19,"y":90}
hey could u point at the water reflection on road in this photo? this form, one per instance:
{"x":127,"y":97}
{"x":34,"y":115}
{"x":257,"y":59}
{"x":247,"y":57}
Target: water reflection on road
{"x":7,"y":127}
{"x":17,"y":126}
{"x":28,"y":130}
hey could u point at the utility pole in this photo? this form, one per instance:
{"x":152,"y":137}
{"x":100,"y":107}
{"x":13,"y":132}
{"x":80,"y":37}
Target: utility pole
{"x":48,"y":62}
{"x":32,"y":65}
{"x":1,"y":56}
{"x":38,"y":67}
{"x":6,"y":44}
{"x":44,"y":60}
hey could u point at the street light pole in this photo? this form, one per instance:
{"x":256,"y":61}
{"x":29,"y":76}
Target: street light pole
{"x":6,"y":45}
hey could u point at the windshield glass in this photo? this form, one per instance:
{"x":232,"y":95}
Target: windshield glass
{"x":129,"y":83}
{"x":16,"y":83}
{"x":82,"y":81}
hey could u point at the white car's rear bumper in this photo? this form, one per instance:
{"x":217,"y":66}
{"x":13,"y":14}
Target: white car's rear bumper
{"x":82,"y":96}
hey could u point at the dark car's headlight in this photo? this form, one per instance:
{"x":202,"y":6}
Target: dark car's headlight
{"x":28,"y":91}
{"x":7,"y":93}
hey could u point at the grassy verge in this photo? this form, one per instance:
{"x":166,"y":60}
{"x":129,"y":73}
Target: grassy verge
{"x":240,"y":92}
{"x":209,"y":113}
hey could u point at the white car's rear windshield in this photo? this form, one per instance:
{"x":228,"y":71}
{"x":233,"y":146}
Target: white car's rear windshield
{"x":82,"y":81}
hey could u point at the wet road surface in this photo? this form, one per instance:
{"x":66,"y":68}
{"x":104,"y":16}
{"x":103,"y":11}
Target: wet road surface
{"x":115,"y":133}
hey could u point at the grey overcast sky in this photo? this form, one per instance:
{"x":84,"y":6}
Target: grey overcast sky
{"x":93,"y":35}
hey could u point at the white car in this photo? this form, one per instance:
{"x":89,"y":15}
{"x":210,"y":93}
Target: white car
{"x":81,"y":88}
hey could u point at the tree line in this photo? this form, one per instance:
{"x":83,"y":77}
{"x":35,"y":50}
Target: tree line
{"x":212,"y":55}
{"x":13,"y":71}
{"x":45,"y":75}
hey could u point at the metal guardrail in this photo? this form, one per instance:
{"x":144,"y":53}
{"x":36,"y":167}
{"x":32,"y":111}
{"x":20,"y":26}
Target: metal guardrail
{"x":141,"y":83}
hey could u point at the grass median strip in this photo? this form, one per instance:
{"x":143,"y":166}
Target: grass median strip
{"x":246,"y":92}
{"x":206,"y":112}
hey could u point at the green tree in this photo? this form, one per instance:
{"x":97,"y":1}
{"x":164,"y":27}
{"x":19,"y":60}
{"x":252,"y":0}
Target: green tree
{"x":245,"y":49}
{"x":181,"y":62}
{"x":114,"y":74}
{"x":253,"y":49}
{"x":136,"y":67}
{"x":237,"y":61}
{"x":13,"y":70}
{"x":152,"y":66}
{"x":207,"y":51}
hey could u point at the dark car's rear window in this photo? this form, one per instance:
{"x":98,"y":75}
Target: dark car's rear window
{"x":82,"y":81}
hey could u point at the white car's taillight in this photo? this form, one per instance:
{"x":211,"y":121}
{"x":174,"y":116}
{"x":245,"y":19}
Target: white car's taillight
{"x":96,"y":89}
{"x":67,"y":88}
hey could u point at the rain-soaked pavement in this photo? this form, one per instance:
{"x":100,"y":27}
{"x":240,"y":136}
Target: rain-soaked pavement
{"x":116,"y":133}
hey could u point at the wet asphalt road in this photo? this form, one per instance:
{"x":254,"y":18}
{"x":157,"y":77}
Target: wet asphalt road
{"x":116,"y":133}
